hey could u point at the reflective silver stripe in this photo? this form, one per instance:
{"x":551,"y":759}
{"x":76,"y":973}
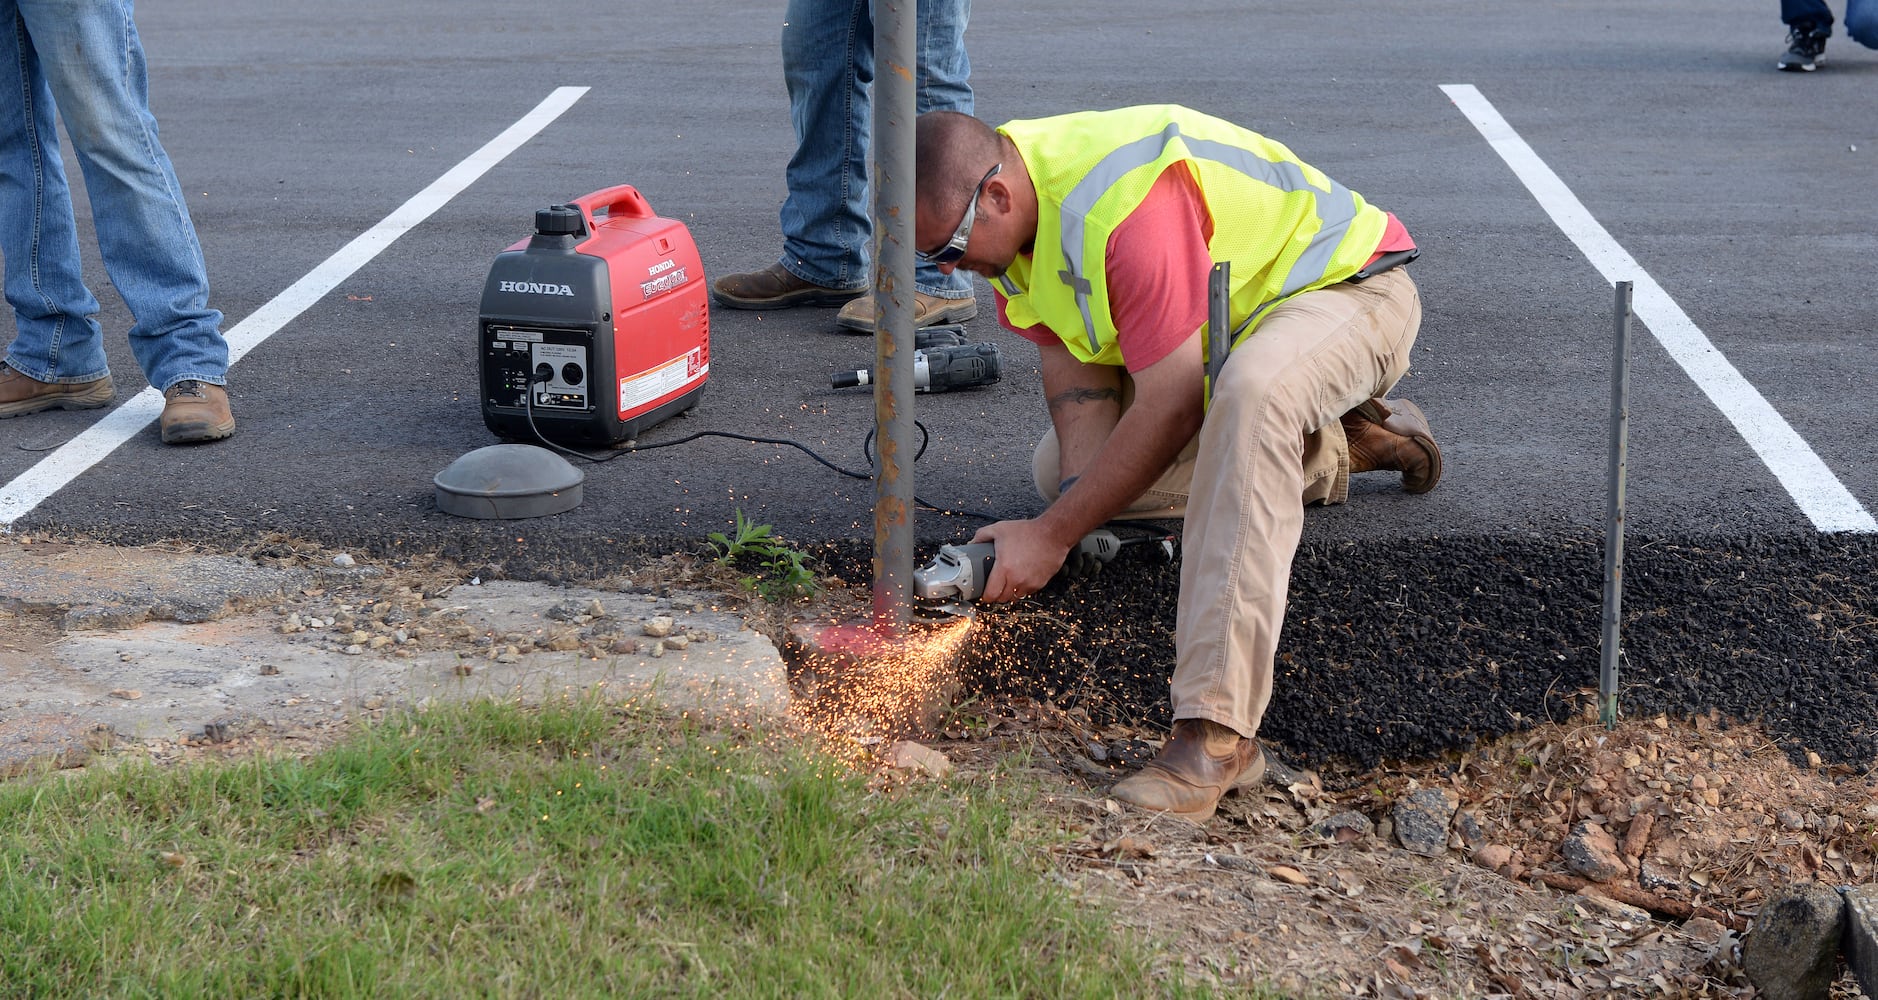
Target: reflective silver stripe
{"x":1336,"y":210}
{"x":1083,"y":197}
{"x":1010,"y":287}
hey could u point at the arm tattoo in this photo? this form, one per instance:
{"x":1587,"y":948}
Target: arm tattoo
{"x":1083,"y":395}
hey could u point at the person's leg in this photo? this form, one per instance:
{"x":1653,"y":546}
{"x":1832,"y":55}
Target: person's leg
{"x":944,"y":85}
{"x":1272,"y":435}
{"x":1807,"y":15}
{"x":1314,"y":359}
{"x":144,"y":231}
{"x":1861,"y":22}
{"x":1809,"y":24}
{"x":828,"y":65}
{"x":58,"y":341}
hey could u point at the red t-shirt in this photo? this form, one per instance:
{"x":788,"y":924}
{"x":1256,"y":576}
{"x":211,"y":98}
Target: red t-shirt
{"x":1157,"y":284}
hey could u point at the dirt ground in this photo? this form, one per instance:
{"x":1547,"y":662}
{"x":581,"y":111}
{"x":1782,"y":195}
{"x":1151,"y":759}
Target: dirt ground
{"x":1303,"y":882}
{"x":1283,"y":886}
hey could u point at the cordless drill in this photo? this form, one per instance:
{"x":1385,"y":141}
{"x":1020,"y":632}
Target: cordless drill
{"x":941,"y":368}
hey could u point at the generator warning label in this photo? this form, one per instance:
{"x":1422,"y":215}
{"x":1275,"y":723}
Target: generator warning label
{"x":638,"y":390}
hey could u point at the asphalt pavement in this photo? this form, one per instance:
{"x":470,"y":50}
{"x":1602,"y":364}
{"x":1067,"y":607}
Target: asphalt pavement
{"x":296,"y":129}
{"x":1736,"y":190}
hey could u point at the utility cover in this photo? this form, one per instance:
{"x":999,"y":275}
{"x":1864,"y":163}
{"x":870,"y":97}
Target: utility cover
{"x":508,"y":481}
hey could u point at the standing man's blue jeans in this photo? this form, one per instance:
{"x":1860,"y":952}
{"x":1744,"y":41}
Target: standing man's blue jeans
{"x":84,"y":57}
{"x":1861,"y":18}
{"x":828,"y":63}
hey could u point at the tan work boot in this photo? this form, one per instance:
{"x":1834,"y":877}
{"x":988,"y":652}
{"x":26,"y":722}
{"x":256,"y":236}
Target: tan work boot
{"x":775,"y":287}
{"x":195,"y":411}
{"x":22,"y":394}
{"x":1201,"y":761}
{"x":1393,"y":434}
{"x":928,"y":310}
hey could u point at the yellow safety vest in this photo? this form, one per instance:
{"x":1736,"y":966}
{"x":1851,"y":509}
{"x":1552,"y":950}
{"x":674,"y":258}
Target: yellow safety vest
{"x":1282,"y":224}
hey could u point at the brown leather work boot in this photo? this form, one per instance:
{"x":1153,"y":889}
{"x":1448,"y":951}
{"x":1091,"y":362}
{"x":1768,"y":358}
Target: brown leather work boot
{"x":195,"y":411}
{"x":1393,"y":434}
{"x":22,"y":394}
{"x":1201,"y":761}
{"x":928,"y":310}
{"x":775,"y":288}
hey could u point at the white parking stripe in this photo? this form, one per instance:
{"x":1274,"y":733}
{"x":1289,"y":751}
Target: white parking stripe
{"x":70,"y":460}
{"x":1824,"y":500}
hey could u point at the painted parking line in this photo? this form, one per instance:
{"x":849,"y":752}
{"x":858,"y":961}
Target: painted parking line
{"x":89,"y":447}
{"x":1821,"y":497}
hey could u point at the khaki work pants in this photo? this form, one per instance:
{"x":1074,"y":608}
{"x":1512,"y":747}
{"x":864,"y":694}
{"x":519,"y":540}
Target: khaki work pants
{"x":1271,"y":439}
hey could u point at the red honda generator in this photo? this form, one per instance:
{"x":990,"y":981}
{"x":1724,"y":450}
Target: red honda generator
{"x":596,"y":327}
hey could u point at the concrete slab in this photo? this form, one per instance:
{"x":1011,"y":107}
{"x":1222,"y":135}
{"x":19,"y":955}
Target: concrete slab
{"x":106,"y":586}
{"x":31,"y":742}
{"x":235,"y":665}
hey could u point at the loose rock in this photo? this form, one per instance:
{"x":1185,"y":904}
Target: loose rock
{"x":1421,"y":821}
{"x":1592,"y":852}
{"x":1792,"y":949}
{"x":1344,"y":827}
{"x":909,"y":756}
{"x":1493,"y":857}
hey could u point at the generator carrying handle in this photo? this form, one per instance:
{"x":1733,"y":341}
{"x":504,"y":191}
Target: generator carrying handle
{"x":619,"y":201}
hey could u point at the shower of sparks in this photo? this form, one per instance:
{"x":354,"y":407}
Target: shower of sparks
{"x":870,"y":685}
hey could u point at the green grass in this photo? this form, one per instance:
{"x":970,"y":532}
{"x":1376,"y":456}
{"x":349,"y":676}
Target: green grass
{"x":576,"y":850}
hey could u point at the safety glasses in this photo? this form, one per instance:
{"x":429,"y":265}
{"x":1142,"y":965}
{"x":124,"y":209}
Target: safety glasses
{"x":955,"y":247}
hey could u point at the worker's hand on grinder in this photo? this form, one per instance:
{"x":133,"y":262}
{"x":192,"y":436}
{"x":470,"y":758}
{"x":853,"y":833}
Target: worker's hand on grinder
{"x":1027,"y":557}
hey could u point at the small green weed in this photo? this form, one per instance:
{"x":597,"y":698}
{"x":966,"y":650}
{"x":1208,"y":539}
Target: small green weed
{"x":779,"y":571}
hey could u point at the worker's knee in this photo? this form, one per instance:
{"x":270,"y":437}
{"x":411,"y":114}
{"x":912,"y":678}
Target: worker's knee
{"x":1270,"y":395}
{"x":1046,"y":465}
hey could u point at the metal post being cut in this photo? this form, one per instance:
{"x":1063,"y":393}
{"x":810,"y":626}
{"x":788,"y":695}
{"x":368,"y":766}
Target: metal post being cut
{"x":1614,"y":512}
{"x":896,"y":76}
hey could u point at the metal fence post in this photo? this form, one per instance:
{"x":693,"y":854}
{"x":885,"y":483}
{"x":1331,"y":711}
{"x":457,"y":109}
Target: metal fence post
{"x":1614,"y":511}
{"x":896,"y":75}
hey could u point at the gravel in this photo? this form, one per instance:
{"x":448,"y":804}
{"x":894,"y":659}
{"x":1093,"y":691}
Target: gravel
{"x":1437,"y":643}
{"x":1416,"y":648}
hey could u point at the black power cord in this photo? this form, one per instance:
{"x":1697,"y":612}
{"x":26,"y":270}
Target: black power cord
{"x":867,"y":451}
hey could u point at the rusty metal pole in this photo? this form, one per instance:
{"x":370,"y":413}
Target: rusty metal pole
{"x":896,"y":80}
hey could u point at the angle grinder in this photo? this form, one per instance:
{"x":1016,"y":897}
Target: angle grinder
{"x":956,"y":576}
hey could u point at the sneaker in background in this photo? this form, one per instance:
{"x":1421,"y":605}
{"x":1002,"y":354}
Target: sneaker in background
{"x":1804,"y":50}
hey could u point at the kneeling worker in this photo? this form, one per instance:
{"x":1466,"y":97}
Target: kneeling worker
{"x":1098,"y":231}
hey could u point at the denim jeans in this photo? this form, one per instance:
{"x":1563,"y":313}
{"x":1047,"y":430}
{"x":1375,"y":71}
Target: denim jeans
{"x":828,"y":64}
{"x":1861,"y":18}
{"x":97,"y":84}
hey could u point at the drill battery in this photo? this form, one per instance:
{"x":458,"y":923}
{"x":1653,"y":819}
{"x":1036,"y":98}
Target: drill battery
{"x":597,"y":327}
